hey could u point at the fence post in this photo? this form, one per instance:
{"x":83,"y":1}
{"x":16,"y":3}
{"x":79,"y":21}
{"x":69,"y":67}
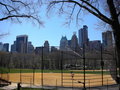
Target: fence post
{"x":42,"y":67}
{"x":89,"y":84}
{"x":33,"y":76}
{"x":107,"y":84}
{"x":102,"y":63}
{"x":61,"y":68}
{"x":84,"y":66}
{"x":56,"y":84}
{"x":20,"y":73}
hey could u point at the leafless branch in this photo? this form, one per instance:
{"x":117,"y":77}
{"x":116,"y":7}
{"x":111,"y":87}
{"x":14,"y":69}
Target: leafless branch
{"x":21,"y":16}
{"x":16,"y":9}
{"x":61,"y":8}
{"x":97,"y":13}
{"x":7,"y":8}
{"x":17,"y":1}
{"x":77,"y":17}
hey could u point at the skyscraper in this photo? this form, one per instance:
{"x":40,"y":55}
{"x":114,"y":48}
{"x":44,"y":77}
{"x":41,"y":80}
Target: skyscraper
{"x":30,"y":47}
{"x":6,"y":47}
{"x":107,"y":39}
{"x":13,"y":47}
{"x":83,"y":36}
{"x":63,"y":43}
{"x":74,"y":42}
{"x":95,"y":45}
{"x":46,"y":47}
{"x":22,"y":43}
{"x":1,"y":46}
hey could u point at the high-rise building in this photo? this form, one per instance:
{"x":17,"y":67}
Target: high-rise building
{"x":38,"y":50}
{"x":83,"y":36}
{"x":95,"y":45}
{"x":1,"y":46}
{"x":22,"y":43}
{"x":107,"y":39}
{"x":63,"y":43}
{"x":74,"y":42}
{"x":30,"y":47}
{"x":54,"y":49}
{"x":46,"y":47}
{"x":13,"y":47}
{"x":6,"y":47}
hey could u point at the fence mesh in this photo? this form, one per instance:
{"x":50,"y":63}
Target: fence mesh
{"x":55,"y":67}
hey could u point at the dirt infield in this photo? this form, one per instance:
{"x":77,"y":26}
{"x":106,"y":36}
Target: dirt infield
{"x":58,"y":79}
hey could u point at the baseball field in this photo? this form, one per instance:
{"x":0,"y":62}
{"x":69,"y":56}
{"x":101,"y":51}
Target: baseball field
{"x":61,"y":79}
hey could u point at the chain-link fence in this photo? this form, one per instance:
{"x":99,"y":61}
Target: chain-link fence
{"x":55,"y":67}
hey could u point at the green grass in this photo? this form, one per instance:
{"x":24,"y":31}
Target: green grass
{"x":5,"y":70}
{"x":25,"y":88}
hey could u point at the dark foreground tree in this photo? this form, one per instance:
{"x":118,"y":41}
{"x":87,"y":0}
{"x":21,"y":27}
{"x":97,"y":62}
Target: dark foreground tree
{"x":92,"y":6}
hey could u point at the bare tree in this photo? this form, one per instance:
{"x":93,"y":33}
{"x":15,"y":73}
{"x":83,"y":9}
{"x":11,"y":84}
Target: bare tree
{"x":74,"y":8}
{"x":16,"y":10}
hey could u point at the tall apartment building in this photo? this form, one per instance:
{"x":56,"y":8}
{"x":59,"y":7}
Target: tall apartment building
{"x":107,"y":39}
{"x":83,"y":36}
{"x":13,"y":47}
{"x":95,"y":45}
{"x":46,"y":47}
{"x":30,"y":48}
{"x":1,"y":46}
{"x":6,"y":47}
{"x":74,"y":42}
{"x":63,"y":43}
{"x":22,"y":43}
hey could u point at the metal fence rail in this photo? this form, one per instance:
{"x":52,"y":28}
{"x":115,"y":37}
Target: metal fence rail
{"x":57,"y":67}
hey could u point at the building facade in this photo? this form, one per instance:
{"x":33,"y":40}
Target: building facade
{"x":22,"y":43}
{"x":95,"y":45}
{"x":1,"y":46}
{"x":63,"y":43}
{"x":74,"y":42}
{"x":107,"y":39}
{"x":83,"y":36}
{"x":46,"y":47}
{"x":13,"y":47}
{"x":6,"y":47}
{"x":30,"y":48}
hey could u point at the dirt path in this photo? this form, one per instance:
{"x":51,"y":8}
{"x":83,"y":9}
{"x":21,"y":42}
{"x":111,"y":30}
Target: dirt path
{"x":55,"y":79}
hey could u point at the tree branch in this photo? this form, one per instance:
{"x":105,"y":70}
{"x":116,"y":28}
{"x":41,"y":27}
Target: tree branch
{"x":21,"y":16}
{"x":17,"y":1}
{"x":99,"y":15}
{"x":6,"y":6}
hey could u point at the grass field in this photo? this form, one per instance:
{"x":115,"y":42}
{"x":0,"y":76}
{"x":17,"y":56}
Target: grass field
{"x":5,"y":70}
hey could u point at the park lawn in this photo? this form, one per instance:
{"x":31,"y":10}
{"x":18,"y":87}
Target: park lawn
{"x":25,"y":88}
{"x":5,"y":70}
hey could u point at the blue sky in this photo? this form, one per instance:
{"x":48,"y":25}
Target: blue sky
{"x":52,"y":31}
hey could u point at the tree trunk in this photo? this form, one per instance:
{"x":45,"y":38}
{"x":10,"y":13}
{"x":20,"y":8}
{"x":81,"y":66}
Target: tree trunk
{"x":116,"y":32}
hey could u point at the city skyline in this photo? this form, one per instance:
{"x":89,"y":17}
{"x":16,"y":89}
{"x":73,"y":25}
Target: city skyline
{"x":68,"y":36}
{"x":76,"y":32}
{"x":22,"y":45}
